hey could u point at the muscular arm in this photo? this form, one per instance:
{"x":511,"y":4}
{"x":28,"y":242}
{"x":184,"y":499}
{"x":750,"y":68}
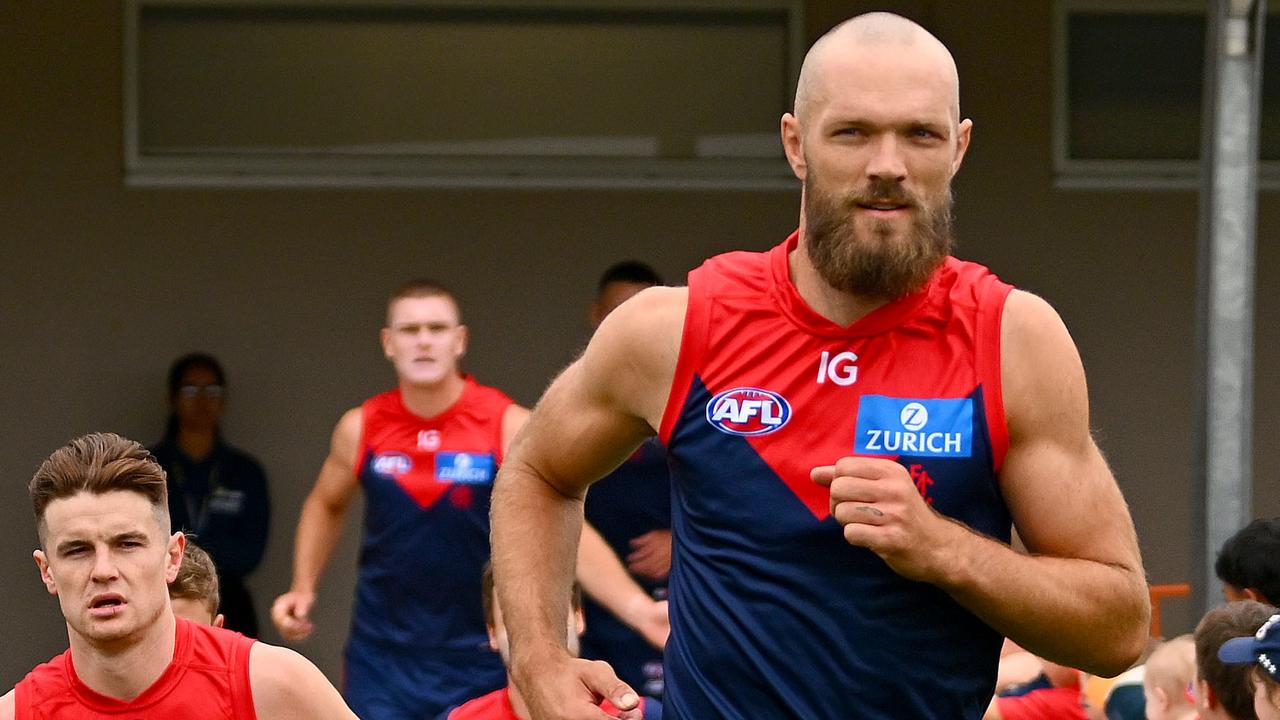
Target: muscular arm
{"x":319,"y":527}
{"x":1078,"y":595}
{"x":589,"y":420}
{"x":600,"y":571}
{"x":8,"y":706}
{"x":286,"y":686}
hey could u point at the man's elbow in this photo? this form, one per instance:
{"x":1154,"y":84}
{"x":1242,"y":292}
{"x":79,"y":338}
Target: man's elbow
{"x":1125,"y":644}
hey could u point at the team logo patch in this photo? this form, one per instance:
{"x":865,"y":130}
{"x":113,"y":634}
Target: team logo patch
{"x":748,"y":411}
{"x":392,"y":463}
{"x":465,"y":468}
{"x":915,"y":427}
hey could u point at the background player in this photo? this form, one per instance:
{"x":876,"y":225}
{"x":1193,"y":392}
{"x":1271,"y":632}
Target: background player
{"x":854,"y":421}
{"x":631,"y":507}
{"x":424,"y":455}
{"x":107,"y":554}
{"x":193,"y":593}
{"x":507,"y":703}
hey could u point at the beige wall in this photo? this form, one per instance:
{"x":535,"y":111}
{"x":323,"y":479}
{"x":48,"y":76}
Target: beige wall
{"x":101,"y":286}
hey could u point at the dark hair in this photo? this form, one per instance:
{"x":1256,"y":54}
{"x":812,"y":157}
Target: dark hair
{"x":193,"y":360}
{"x":97,"y":463}
{"x":1250,"y":559}
{"x":419,"y":288}
{"x":1231,"y":684}
{"x":629,"y":271}
{"x":486,"y":589}
{"x":197,"y":578}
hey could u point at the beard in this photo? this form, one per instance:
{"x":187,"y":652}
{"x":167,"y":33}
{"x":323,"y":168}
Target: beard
{"x":875,"y":264}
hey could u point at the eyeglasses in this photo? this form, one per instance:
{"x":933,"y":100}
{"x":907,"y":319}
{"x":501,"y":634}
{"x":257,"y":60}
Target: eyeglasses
{"x":191,"y":392}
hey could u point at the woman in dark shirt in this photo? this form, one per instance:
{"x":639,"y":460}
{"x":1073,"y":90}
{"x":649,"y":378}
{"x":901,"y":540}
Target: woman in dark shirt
{"x":216,"y":492}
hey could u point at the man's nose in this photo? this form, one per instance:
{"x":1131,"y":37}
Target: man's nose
{"x":104,"y":566}
{"x":887,"y":162}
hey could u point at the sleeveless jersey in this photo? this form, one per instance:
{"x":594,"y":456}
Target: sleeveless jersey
{"x":773,"y":613}
{"x":427,"y":483}
{"x":208,"y":679}
{"x":497,"y":706}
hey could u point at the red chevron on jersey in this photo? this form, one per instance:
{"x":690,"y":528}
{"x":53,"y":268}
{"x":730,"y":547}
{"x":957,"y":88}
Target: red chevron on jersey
{"x":901,"y":382}
{"x":431,"y":457}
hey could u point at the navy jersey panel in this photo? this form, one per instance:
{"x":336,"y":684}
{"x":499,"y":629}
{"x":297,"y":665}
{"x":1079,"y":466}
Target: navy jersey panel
{"x":632,"y":500}
{"x":778,"y":617}
{"x":420,"y":567}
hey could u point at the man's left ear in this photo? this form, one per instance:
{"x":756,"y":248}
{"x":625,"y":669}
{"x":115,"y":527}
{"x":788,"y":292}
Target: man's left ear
{"x":464,"y":337}
{"x":173,"y":556}
{"x":964,"y":133}
{"x":46,"y":576}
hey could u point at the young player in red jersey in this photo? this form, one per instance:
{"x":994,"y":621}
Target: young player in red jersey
{"x":424,"y":455}
{"x":506,"y":703}
{"x":855,"y":420}
{"x":107,"y":554}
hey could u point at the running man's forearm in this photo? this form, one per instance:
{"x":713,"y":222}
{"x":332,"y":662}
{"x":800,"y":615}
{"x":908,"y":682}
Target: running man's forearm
{"x":535,"y":534}
{"x":319,"y":529}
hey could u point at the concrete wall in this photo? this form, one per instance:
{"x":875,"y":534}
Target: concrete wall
{"x":101,"y":286}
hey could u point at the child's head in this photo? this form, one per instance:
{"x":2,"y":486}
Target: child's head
{"x":194,"y":592}
{"x":1263,"y":652}
{"x":1170,"y":674}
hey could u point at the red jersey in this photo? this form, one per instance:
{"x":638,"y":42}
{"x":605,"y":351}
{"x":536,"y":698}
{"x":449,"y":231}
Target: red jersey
{"x":208,"y":679}
{"x":497,"y":706}
{"x":766,"y":389}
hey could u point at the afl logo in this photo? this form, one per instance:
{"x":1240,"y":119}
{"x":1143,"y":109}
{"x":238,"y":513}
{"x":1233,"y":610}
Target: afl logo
{"x":392,"y":463}
{"x":748,"y":411}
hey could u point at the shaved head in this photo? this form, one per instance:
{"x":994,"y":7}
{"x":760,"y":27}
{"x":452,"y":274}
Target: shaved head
{"x":878,"y":35}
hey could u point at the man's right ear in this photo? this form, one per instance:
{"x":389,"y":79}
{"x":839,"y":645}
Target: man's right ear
{"x":46,"y":576}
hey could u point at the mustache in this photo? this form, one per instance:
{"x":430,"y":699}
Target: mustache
{"x":882,"y":190}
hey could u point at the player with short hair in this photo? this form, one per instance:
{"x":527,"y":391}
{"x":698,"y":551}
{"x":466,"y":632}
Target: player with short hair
{"x":424,"y":455}
{"x":854,"y":419}
{"x":107,"y":553}
{"x":194,"y":592}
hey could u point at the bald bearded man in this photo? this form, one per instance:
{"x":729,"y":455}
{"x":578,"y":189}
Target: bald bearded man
{"x":855,"y":421}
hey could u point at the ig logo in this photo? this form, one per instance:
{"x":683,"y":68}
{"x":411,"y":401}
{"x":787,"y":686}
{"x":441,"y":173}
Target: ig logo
{"x":839,"y":369}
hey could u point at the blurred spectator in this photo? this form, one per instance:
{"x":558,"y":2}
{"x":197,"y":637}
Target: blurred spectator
{"x":1169,"y":680}
{"x":194,"y":591}
{"x":1032,"y":688}
{"x":216,"y":492}
{"x":1225,"y":692}
{"x":1249,"y":563}
{"x":1262,"y":653}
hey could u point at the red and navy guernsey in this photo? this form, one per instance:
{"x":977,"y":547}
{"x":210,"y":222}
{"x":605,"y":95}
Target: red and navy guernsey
{"x":418,"y":639}
{"x":773,"y":614}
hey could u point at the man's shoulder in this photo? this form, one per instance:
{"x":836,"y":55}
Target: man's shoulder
{"x":8,"y":706}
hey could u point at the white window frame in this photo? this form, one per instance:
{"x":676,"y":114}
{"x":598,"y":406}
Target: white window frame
{"x":375,"y":167}
{"x":1101,"y":174}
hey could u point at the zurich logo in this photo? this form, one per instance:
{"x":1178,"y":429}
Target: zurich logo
{"x":391,"y":463}
{"x":748,"y":411}
{"x":914,"y":416}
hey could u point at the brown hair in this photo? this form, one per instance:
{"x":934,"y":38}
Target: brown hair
{"x":98,"y":463}
{"x":420,"y":288}
{"x":197,"y":578}
{"x":1230,"y":683}
{"x":486,"y":589}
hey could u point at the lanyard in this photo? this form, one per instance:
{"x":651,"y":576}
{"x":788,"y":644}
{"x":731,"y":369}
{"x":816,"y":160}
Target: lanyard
{"x":197,"y":508}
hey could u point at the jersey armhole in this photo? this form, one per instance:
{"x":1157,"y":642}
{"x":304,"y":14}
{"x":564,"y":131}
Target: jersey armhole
{"x":990,"y":314}
{"x":692,"y":339}
{"x":363,"y":445}
{"x":498,"y":452}
{"x":242,"y":685}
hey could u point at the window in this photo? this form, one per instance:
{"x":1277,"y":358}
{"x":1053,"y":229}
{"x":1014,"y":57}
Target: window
{"x":485,"y":93}
{"x":1129,"y":94}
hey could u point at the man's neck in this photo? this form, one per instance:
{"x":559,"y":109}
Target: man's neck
{"x":124,"y":669}
{"x":841,"y":308}
{"x":196,"y":444}
{"x":428,"y":401}
{"x":517,"y":700}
